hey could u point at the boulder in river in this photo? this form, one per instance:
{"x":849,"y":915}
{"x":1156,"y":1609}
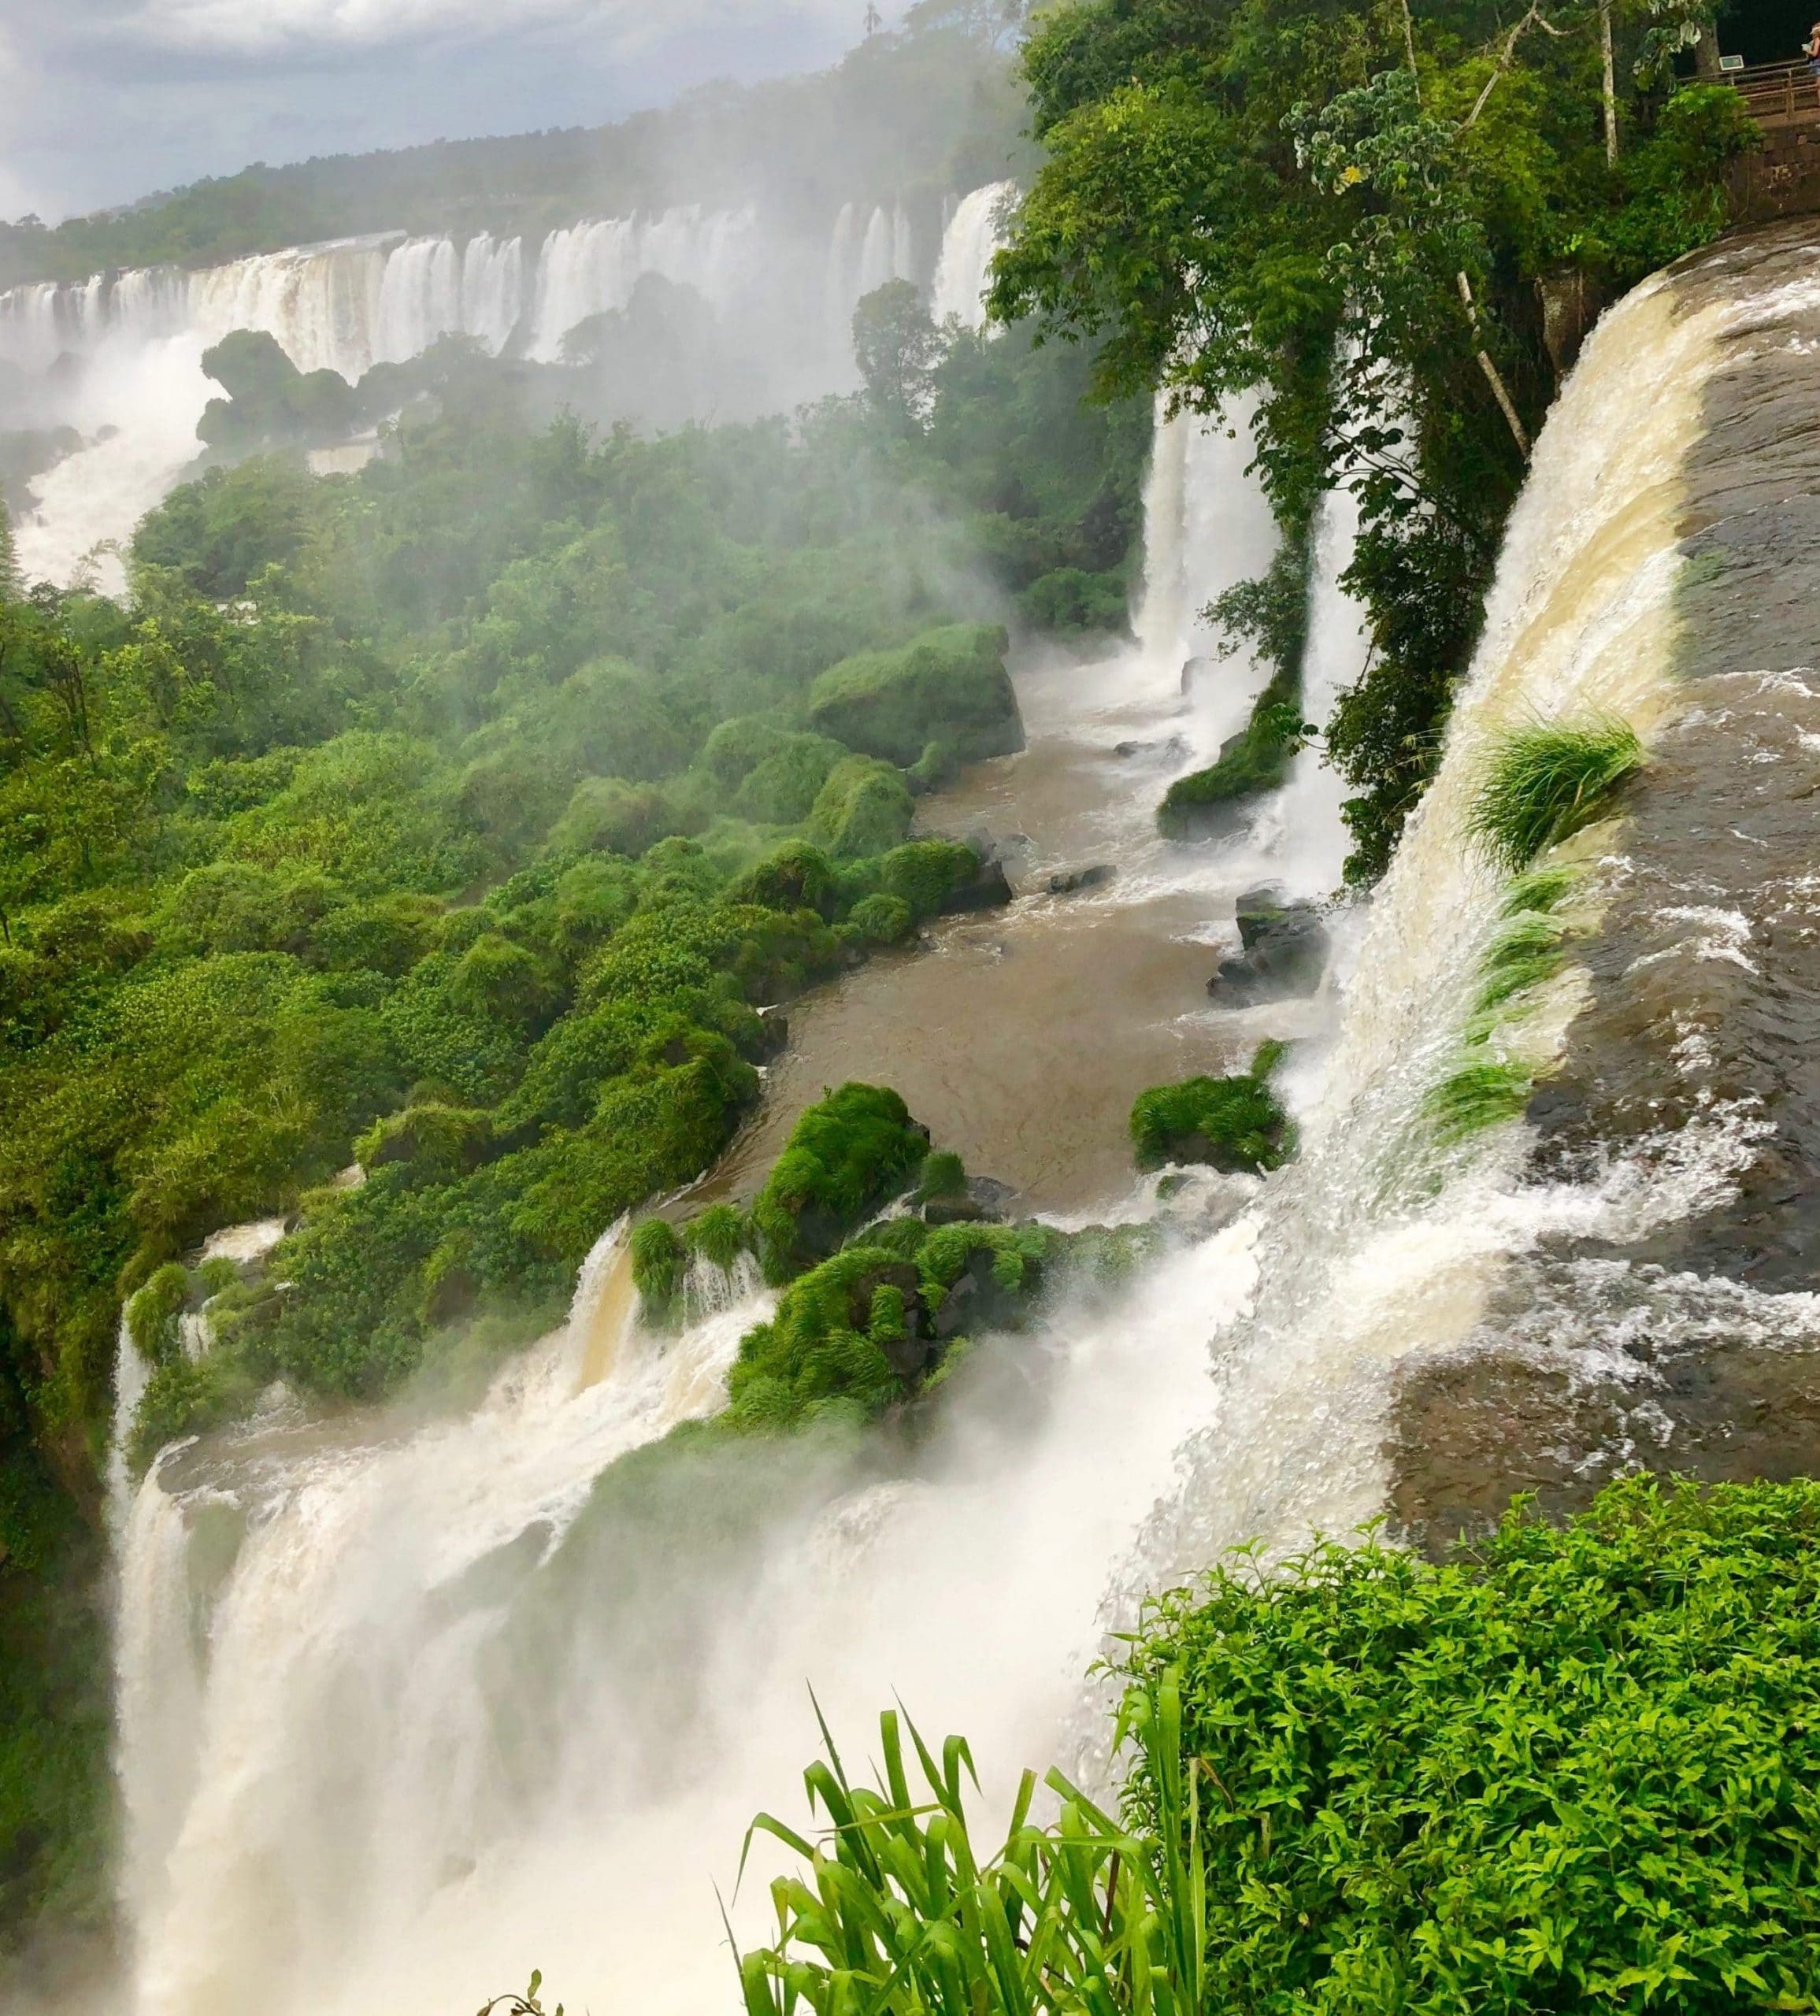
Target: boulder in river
{"x":1285,"y":946}
{"x":1067,"y":881}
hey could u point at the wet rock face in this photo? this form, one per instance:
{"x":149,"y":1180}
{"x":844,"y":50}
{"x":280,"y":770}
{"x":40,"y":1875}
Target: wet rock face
{"x":1701,"y":1349}
{"x":1285,"y":951}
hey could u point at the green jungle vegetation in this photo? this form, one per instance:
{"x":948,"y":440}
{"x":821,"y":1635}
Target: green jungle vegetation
{"x":453,"y":820}
{"x":1355,"y":207}
{"x":888,"y":1270}
{"x":910,"y":115}
{"x":1566,"y":1767}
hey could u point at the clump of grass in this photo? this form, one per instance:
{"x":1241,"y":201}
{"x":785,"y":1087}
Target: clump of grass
{"x":1541,"y":890}
{"x":720,"y":1235}
{"x":1235,"y":1123}
{"x":1545,"y":782}
{"x":1478,"y":1095}
{"x":1528,"y":951}
{"x":657,"y":1263}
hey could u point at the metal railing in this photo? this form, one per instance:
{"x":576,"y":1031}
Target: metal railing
{"x":1776,"y":91}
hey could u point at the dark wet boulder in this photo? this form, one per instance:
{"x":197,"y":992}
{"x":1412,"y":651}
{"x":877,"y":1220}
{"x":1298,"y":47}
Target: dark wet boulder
{"x":1173,"y":747}
{"x":1067,"y":881}
{"x":1285,"y":951}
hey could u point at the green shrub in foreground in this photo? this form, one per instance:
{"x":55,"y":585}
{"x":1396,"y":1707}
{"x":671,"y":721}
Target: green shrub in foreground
{"x":1544,"y":782}
{"x":1572,"y":1768}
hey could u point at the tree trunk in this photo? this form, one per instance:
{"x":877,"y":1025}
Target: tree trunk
{"x":1707,"y":52}
{"x":1610,"y":83}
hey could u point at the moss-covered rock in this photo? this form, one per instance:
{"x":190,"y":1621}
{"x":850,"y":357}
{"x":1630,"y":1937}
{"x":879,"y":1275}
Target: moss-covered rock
{"x":1234,"y":1123}
{"x":883,"y":919}
{"x":1207,"y":803}
{"x":607,"y":815}
{"x":784,"y":788}
{"x":434,"y":1142}
{"x":864,"y":808}
{"x":848,"y":1155}
{"x":658,"y":1258}
{"x":948,"y":685}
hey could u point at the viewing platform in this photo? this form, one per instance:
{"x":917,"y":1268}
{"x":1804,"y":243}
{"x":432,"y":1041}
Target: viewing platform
{"x":1782,"y":178}
{"x":1779,"y":96}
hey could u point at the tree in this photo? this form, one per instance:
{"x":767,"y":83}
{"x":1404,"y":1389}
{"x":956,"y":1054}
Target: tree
{"x":1347,"y":209}
{"x":897,"y":348}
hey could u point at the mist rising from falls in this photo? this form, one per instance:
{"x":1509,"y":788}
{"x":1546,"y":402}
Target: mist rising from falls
{"x":131,"y":383}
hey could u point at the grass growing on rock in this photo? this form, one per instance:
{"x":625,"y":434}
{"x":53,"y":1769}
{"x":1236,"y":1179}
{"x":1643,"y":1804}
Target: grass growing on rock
{"x":1545,"y":781}
{"x":848,"y":1155}
{"x":1235,"y":1123}
{"x":1489,"y":1085}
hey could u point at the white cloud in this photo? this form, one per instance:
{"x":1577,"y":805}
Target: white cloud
{"x":280,"y":27}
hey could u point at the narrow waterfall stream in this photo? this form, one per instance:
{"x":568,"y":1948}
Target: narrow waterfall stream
{"x":408,"y":1706}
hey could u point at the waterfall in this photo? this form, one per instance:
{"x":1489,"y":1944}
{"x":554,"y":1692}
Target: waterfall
{"x":409,"y":1745}
{"x":1302,"y":825}
{"x":590,"y":268}
{"x":1207,"y":527}
{"x":972,"y":236}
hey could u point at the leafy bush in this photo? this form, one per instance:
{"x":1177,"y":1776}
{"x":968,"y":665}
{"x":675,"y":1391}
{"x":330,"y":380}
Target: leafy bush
{"x":1235,"y":1123}
{"x":949,"y":684}
{"x":848,"y":1154}
{"x":1543,"y":782}
{"x":1570,"y":1767}
{"x":1072,"y":602}
{"x":1256,"y":759}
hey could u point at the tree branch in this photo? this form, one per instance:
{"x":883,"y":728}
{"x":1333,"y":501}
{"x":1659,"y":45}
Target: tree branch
{"x":1534,"y":19}
{"x":1499,"y":391}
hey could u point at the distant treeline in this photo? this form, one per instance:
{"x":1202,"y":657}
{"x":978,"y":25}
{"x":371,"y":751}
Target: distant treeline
{"x":932,"y":109}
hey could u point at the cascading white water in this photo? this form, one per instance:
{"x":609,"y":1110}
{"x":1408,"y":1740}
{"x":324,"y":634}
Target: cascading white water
{"x":138,"y":336}
{"x":1301,"y":826}
{"x":591,"y":268}
{"x":1207,"y":527}
{"x":349,"y":1821}
{"x":974,"y":234}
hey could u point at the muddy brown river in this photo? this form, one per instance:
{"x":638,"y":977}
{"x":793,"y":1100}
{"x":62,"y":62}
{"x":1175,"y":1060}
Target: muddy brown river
{"x":1021,"y":1037}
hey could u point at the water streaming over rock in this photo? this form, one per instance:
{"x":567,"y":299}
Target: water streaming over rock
{"x":974,"y":233}
{"x":1206,"y":527}
{"x":136,"y":339}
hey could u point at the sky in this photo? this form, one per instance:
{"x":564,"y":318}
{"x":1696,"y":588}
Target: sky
{"x":102,"y":101}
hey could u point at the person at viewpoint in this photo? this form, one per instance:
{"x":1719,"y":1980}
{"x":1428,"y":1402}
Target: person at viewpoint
{"x":1813,"y":55}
